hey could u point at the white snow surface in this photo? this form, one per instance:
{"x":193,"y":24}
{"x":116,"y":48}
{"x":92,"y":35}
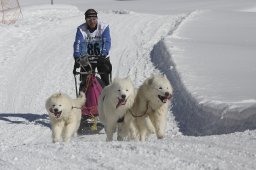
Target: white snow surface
{"x":205,"y":47}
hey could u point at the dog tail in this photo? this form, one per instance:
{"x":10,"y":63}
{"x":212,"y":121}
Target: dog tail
{"x":80,"y":101}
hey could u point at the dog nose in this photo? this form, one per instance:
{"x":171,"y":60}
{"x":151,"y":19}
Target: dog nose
{"x":167,"y":93}
{"x":123,"y":96}
{"x":55,"y":110}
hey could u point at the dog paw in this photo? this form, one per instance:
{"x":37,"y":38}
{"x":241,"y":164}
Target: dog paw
{"x":56,"y":141}
{"x":66,"y":140}
{"x":109,"y":139}
{"x":160,"y":136}
{"x":142,"y":138}
{"x":119,"y":138}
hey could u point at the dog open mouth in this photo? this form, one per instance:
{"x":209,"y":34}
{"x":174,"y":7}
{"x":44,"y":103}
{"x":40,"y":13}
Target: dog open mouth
{"x":56,"y":113}
{"x":164,"y":98}
{"x":121,"y":102}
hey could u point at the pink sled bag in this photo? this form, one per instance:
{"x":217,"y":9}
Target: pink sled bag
{"x":92,"y":92}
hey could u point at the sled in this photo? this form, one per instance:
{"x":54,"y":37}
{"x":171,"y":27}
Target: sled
{"x":92,"y":88}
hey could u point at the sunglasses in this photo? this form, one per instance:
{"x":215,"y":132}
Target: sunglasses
{"x":91,"y":19}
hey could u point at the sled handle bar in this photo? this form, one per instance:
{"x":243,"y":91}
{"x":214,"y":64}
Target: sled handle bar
{"x":87,"y":73}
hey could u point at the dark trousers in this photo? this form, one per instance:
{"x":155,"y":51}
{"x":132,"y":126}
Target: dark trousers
{"x":104,"y":70}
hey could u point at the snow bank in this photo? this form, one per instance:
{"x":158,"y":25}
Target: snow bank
{"x":212,"y":92}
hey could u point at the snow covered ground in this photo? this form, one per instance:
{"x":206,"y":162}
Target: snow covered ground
{"x":205,"y":47}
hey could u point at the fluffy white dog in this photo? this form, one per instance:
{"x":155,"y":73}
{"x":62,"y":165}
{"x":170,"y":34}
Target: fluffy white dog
{"x":114,"y":102}
{"x":149,"y":111}
{"x":65,"y":115}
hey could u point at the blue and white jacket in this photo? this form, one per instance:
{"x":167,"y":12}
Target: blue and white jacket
{"x":97,"y":42}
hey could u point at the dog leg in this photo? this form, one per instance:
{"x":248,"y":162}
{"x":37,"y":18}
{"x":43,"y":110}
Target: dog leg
{"x":109,"y":135}
{"x":141,"y":128}
{"x":133,"y":132}
{"x":69,"y":131}
{"x":77,"y":126}
{"x":158,"y":120}
{"x":143,"y":135}
{"x":110,"y":129}
{"x":121,"y":133}
{"x":130,"y":129}
{"x":57,"y":131}
{"x":126,"y":129}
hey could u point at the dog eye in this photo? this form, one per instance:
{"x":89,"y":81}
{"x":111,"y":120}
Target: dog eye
{"x":119,"y":90}
{"x":53,"y":105}
{"x":60,"y":105}
{"x":160,"y":88}
{"x":127,"y":90}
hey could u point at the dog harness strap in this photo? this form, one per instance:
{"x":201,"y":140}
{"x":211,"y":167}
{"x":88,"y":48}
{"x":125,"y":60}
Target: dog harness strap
{"x":73,"y":107}
{"x":136,"y":115}
{"x":139,"y":115}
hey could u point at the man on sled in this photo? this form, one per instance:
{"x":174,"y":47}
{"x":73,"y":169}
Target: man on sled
{"x":91,"y":51}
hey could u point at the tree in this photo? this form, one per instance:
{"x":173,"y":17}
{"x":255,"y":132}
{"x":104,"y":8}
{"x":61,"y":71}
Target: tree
{"x":10,"y":11}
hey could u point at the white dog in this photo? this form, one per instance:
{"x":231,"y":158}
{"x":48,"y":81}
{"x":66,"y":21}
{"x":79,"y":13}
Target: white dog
{"x":114,"y":102}
{"x":65,"y":115}
{"x":149,"y":111}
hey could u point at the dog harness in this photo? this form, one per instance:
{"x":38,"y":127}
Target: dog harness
{"x":130,"y":110}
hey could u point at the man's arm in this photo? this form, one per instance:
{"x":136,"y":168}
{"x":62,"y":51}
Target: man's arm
{"x":106,"y":41}
{"x":77,"y":44}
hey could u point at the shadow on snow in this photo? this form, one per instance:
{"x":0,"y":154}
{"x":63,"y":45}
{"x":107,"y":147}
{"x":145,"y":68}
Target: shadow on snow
{"x":26,"y":118}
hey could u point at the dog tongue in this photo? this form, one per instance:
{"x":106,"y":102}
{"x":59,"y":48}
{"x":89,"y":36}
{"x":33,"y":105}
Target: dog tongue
{"x":169,"y":97}
{"x":57,"y":114}
{"x":120,"y":102}
{"x":164,"y":98}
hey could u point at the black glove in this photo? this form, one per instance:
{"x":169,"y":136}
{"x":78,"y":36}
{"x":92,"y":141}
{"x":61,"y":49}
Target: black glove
{"x":102,"y":59}
{"x":77,"y":60}
{"x":76,"y":65}
{"x":105,"y":63}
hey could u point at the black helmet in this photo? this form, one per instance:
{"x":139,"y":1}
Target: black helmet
{"x":90,"y":13}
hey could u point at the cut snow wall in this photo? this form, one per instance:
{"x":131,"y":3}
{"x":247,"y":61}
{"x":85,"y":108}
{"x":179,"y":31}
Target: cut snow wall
{"x":196,"y":118}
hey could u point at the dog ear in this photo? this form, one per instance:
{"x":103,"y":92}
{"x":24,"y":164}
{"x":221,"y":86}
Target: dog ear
{"x":152,"y":75}
{"x":164,"y":75}
{"x":115,"y":79}
{"x":150,"y":81}
{"x":59,"y":94}
{"x":128,"y":78}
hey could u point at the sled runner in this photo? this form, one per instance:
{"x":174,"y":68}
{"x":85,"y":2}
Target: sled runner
{"x":92,"y":86}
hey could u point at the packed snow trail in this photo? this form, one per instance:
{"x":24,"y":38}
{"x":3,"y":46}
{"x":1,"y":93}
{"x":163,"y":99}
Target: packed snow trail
{"x":91,"y":152}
